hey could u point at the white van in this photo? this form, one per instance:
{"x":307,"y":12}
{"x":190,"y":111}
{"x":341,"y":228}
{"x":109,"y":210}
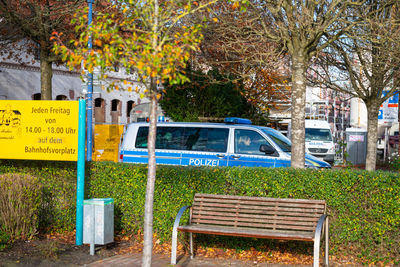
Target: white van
{"x":233,"y":143}
{"x":318,"y":140}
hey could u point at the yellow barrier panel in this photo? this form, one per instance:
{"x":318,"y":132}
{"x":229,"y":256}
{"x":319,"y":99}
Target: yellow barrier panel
{"x":39,"y":130}
{"x":106,"y":141}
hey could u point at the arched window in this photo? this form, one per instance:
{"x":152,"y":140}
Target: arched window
{"x":37,"y":96}
{"x":129,"y":105}
{"x":99,"y":110}
{"x":115,"y":111}
{"x":61,"y":97}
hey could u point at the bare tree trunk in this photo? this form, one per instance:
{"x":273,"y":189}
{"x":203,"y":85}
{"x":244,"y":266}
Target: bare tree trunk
{"x":298,"y":106}
{"x":46,"y":75}
{"x":373,"y":110}
{"x":151,"y":178}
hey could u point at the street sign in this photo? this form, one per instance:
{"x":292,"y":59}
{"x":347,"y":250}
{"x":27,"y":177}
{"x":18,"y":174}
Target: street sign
{"x":39,"y":130}
{"x":388,"y":111}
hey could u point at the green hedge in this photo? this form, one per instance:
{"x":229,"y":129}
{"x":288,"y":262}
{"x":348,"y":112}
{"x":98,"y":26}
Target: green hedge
{"x":364,"y":207}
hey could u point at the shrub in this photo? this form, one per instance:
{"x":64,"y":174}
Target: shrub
{"x":394,"y":162}
{"x":4,"y":239}
{"x":58,"y":191}
{"x":20,"y":198}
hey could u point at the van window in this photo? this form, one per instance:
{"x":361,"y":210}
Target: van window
{"x":248,"y":142}
{"x":186,"y":138}
{"x":206,"y":139}
{"x":282,"y":141}
{"x":167,"y":138}
{"x":313,"y":134}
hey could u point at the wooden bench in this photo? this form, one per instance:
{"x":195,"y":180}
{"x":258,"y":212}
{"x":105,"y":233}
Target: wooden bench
{"x":259,"y":217}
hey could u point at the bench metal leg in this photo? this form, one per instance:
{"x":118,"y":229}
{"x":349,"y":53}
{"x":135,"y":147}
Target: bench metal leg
{"x":173,"y":248}
{"x":175,"y":235}
{"x":327,"y":242}
{"x":317,"y":241}
{"x":191,"y":245}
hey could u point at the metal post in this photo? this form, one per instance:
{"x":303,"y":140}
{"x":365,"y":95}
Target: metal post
{"x":80,"y":186}
{"x":93,"y":233}
{"x":90,"y":95}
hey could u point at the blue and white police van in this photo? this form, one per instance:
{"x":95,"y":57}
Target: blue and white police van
{"x":234,"y":143}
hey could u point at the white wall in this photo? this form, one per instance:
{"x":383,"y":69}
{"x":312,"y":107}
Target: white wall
{"x":358,"y":113}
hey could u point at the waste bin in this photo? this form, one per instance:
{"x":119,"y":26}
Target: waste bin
{"x":356,"y":139}
{"x":98,"y":221}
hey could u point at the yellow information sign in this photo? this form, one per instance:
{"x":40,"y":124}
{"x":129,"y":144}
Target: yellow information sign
{"x":106,"y":141}
{"x":39,"y":130}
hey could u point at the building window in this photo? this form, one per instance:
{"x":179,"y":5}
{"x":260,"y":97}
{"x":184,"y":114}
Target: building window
{"x":99,"y":110}
{"x":129,"y":106}
{"x":37,"y":96}
{"x":115,"y":104}
{"x":98,"y":102}
{"x":61,"y":97}
{"x":115,"y":111}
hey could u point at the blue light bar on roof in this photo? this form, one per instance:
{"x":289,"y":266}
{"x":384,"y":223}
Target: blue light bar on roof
{"x":237,"y":120}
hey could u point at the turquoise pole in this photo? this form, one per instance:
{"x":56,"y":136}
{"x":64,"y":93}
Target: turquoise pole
{"x":80,"y":185}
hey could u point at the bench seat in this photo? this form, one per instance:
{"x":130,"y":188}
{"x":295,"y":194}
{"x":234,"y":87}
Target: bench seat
{"x":256,"y":217}
{"x":247,"y":232}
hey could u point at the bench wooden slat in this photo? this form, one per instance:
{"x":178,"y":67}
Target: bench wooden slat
{"x":266,"y":211}
{"x":202,"y":213}
{"x":212,"y":202}
{"x":248,"y":232}
{"x":259,"y":226}
{"x":254,"y":220}
{"x":289,"y":200}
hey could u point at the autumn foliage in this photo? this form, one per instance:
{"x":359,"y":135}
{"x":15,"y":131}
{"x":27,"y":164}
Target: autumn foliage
{"x":122,"y":35}
{"x":266,"y":90}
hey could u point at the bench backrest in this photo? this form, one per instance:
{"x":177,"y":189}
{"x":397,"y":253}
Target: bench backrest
{"x":257,"y":212}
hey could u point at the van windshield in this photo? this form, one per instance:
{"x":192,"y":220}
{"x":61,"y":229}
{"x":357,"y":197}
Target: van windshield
{"x":313,"y":134}
{"x":282,"y":141}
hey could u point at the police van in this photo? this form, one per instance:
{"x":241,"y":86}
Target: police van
{"x":233,"y":143}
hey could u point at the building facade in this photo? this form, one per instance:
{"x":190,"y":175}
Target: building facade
{"x":20,"y":80}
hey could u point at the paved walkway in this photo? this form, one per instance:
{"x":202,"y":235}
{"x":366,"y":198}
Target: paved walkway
{"x":163,"y":261}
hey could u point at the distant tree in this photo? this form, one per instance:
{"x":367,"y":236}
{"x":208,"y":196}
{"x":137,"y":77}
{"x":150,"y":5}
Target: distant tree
{"x":206,"y":95}
{"x":365,"y":63}
{"x":34,"y":21}
{"x":266,"y":90}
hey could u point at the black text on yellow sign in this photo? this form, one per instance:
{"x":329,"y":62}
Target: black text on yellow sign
{"x":39,"y":130}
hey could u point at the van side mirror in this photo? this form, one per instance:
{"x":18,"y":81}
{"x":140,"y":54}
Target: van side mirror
{"x":268,"y":150}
